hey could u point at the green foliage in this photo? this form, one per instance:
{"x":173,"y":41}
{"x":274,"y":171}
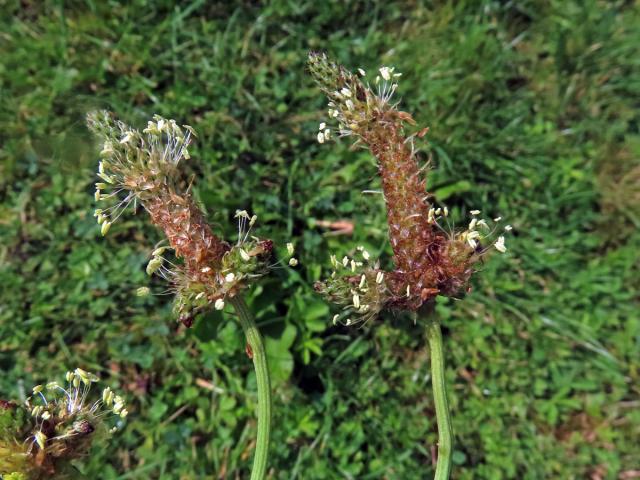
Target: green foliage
{"x":528,"y":106}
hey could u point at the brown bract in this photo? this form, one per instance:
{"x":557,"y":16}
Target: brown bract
{"x":187,"y":231}
{"x":428,"y":261}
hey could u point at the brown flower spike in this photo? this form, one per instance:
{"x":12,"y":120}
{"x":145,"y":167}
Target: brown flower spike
{"x":429,"y":260}
{"x":143,"y":167}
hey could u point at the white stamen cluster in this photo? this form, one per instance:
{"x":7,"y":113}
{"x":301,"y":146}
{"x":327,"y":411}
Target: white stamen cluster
{"x":434,"y":214}
{"x":478,"y":230}
{"x":358,"y":286}
{"x":68,"y":408}
{"x":324,"y":133}
{"x":133,"y":164}
{"x":353,"y":103}
{"x":386,"y":83}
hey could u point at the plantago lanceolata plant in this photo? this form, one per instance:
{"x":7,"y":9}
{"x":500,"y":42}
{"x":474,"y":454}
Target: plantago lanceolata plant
{"x":430,"y":258}
{"x":143,"y":167}
{"x":57,"y":424}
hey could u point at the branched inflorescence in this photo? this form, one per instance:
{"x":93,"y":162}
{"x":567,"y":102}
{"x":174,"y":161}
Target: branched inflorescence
{"x":431,"y":259}
{"x":57,"y":424}
{"x":142,"y":167}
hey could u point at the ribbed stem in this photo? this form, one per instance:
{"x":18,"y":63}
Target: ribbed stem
{"x":445,"y":434}
{"x":254,"y":339}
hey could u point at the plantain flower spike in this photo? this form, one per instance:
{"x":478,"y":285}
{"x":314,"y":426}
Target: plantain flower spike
{"x":144,"y":167}
{"x":56,"y":425}
{"x":429,"y":258}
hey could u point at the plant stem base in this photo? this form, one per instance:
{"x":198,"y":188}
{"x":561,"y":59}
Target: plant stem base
{"x":256,"y":344}
{"x":445,"y":434}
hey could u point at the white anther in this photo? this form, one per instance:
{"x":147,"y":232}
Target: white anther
{"x":500,"y":245}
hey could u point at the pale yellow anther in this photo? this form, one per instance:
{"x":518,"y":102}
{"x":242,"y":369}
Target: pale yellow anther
{"x":86,"y":377}
{"x":143,"y":292}
{"x":105,"y":228}
{"x":41,"y":439}
{"x":105,"y":394}
{"x":158,"y":251}
{"x":219,"y":305}
{"x":154,"y":264}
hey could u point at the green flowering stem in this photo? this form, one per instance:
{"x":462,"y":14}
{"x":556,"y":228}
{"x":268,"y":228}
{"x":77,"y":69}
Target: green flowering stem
{"x":445,"y":433}
{"x":256,"y":344}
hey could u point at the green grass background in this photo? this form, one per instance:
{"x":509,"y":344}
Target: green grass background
{"x":533,"y":115}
